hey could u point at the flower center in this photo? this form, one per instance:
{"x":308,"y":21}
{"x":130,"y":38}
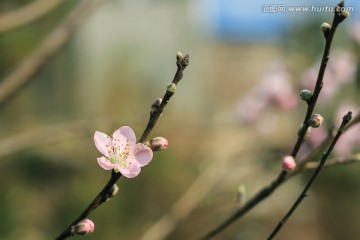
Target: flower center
{"x":121,"y":152}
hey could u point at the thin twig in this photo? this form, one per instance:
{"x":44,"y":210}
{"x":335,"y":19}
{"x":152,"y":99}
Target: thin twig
{"x":154,"y":116}
{"x":346,"y":120}
{"x":306,"y":162}
{"x":187,"y":202}
{"x":181,"y":63}
{"x":334,"y":162}
{"x":28,"y":13}
{"x":36,"y":61}
{"x":98,"y":200}
{"x":267,"y":190}
{"x":338,"y":18}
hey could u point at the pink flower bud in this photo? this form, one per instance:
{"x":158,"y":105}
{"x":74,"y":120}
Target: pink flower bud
{"x":158,"y":143}
{"x":316,"y":120}
{"x":84,"y":227}
{"x":288,"y":163}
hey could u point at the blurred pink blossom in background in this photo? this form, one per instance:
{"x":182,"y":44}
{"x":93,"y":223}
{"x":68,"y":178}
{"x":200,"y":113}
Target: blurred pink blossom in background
{"x":341,"y":70}
{"x":354,"y":30}
{"x":274,"y":89}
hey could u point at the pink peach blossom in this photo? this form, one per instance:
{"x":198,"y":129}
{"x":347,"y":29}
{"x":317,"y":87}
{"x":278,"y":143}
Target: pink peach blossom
{"x":276,"y":87}
{"x":121,"y":153}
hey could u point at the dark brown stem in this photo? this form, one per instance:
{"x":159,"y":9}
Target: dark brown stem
{"x":319,"y":82}
{"x":181,"y":63}
{"x":303,"y":194}
{"x":266,"y":191}
{"x":99,"y":199}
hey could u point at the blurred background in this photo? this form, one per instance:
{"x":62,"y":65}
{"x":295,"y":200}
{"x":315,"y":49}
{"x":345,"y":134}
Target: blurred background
{"x":235,"y":114}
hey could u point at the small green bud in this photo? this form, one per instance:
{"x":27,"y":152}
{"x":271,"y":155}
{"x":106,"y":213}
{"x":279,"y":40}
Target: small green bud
{"x":326,"y":28}
{"x":340,"y":12}
{"x":346,"y":14}
{"x":316,"y":120}
{"x":305,"y":95}
{"x":308,"y":131}
{"x":171,"y":87}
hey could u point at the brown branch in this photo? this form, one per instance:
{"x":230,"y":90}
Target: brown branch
{"x":181,"y":63}
{"x":346,"y":120}
{"x":154,"y":116}
{"x":162,"y":228}
{"x":306,"y":162}
{"x":38,"y":59}
{"x":268,"y":190}
{"x":26,"y":14}
{"x":329,"y":35}
{"x":355,"y":120}
{"x":201,"y":186}
{"x":98,"y":200}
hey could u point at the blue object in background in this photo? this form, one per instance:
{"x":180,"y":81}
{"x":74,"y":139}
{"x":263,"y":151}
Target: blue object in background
{"x":249,"y":21}
{"x":259,"y":21}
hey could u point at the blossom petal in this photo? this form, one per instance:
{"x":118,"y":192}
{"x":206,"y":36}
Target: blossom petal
{"x":142,"y":154}
{"x":124,"y":134}
{"x":103,"y":143}
{"x":105,"y":163}
{"x":130,"y":171}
